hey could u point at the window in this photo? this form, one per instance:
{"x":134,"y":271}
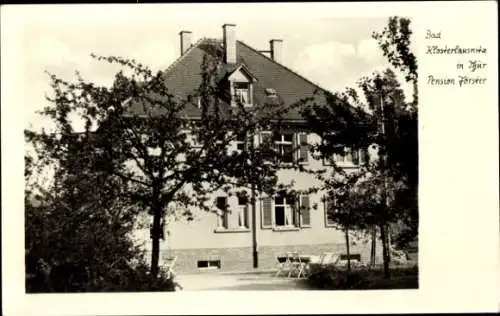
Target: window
{"x":240,"y":143}
{"x":233,"y":215}
{"x":243,"y":212}
{"x":284,"y":145}
{"x":243,"y":142}
{"x":242,"y":93}
{"x":348,"y":157}
{"x":221,"y":204}
{"x":208,"y":264}
{"x":284,"y":214}
{"x":353,"y":256}
{"x":289,"y":147}
{"x":284,"y":211}
{"x":329,"y":208}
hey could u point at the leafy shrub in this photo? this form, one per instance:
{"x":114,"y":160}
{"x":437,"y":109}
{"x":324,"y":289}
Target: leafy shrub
{"x":85,"y":250}
{"x":75,"y":278}
{"x":338,"y":278}
{"x":139,"y":279}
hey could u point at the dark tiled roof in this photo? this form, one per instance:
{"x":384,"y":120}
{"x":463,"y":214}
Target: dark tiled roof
{"x":183,"y":77}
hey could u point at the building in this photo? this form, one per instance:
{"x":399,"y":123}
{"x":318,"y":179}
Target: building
{"x":225,"y":242}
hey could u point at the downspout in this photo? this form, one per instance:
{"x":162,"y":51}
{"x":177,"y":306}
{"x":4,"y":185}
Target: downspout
{"x":255,"y":252}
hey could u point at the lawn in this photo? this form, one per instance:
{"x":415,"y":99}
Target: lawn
{"x":335,"y":278}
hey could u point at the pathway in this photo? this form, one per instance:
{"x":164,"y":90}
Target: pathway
{"x":240,"y":281}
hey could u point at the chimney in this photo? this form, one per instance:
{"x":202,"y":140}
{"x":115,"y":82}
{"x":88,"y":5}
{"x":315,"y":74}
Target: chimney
{"x":185,"y":41}
{"x":229,"y":43}
{"x":276,"y":48}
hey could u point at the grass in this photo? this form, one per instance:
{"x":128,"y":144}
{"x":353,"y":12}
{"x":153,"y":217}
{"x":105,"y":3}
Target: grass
{"x":334,"y":278}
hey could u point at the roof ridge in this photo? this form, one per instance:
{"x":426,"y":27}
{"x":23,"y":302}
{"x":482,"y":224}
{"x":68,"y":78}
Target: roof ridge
{"x":181,"y":57}
{"x":285,"y":67}
{"x":213,"y":39}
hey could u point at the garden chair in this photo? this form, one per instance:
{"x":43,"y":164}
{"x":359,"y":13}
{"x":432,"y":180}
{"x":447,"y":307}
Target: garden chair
{"x":297,"y":265}
{"x":283,"y":264}
{"x":169,"y":266}
{"x":328,"y":258}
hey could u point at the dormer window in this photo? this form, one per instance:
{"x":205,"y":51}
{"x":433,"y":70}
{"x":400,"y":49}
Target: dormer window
{"x":242,"y":93}
{"x":241,"y":84}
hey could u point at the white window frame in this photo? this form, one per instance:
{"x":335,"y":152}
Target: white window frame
{"x":248,"y":91}
{"x":282,"y":142}
{"x":327,"y":206}
{"x":341,"y":160}
{"x":209,"y":266}
{"x":236,"y":217}
{"x":240,"y":142}
{"x":243,"y":215}
{"x":288,"y":209}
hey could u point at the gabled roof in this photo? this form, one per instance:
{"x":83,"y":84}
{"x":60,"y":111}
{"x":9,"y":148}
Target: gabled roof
{"x":183,"y":77}
{"x":245,"y":70}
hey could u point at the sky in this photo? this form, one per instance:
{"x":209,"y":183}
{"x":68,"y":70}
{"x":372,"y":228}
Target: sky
{"x":334,"y":52}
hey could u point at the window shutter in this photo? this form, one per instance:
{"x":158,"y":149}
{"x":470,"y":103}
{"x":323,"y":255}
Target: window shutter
{"x":355,"y":156}
{"x":304,"y":148}
{"x":267,"y":212}
{"x":295,"y":146}
{"x":266,"y":137}
{"x":248,"y":142}
{"x":328,"y":221}
{"x":245,"y":216}
{"x":362,"y":156}
{"x":225,"y":222}
{"x":305,"y":211}
{"x":295,"y":205}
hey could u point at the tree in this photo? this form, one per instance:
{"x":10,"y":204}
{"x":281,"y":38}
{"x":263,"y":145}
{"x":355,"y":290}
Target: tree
{"x":386,"y":121}
{"x":162,"y":159}
{"x":395,"y":41}
{"x":78,"y":234}
{"x":342,"y":209}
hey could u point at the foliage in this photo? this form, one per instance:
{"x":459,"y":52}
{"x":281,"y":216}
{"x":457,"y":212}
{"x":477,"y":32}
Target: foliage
{"x":141,"y":143}
{"x":395,"y":42}
{"x":383,"y":192}
{"x":75,"y":243}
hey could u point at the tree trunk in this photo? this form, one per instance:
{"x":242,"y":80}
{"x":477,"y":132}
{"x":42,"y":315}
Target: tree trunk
{"x":415,"y":92}
{"x":348,"y":252}
{"x":389,"y":244}
{"x":155,"y":234}
{"x":155,"y":254}
{"x":373,"y":254}
{"x":385,"y":251}
{"x":255,"y":252}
